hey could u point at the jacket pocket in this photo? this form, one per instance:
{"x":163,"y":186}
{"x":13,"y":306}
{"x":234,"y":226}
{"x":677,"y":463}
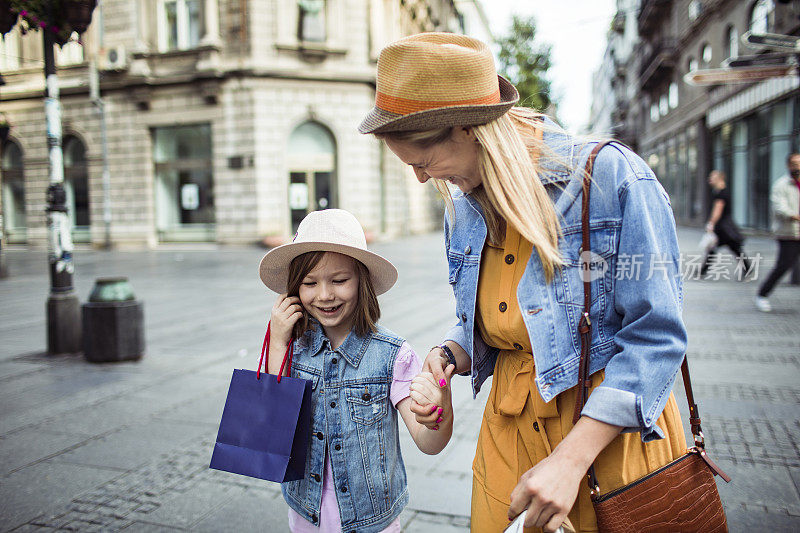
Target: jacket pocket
{"x":367,"y":403}
{"x":304,"y":372}
{"x":454,"y":261}
{"x":599,"y":272}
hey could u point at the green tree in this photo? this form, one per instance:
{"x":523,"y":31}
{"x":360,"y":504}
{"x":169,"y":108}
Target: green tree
{"x":525,"y":63}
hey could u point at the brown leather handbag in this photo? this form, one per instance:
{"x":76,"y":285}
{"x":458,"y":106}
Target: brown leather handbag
{"x":678,"y":497}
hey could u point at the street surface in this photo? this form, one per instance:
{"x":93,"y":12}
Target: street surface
{"x":126,"y":446}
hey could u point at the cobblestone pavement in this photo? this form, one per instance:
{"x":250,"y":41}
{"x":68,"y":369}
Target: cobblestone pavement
{"x":125,"y":446}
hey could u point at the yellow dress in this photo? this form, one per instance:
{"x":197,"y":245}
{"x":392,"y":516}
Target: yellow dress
{"x":519,"y":429}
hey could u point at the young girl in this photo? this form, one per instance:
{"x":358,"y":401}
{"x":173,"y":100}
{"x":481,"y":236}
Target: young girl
{"x":361,"y":376}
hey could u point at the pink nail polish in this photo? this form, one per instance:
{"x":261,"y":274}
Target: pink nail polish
{"x":440,"y":420}
{"x":442,"y":382}
{"x":441,"y":410}
{"x":434,"y":408}
{"x":436,"y":428}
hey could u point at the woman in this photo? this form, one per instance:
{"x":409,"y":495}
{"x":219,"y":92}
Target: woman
{"x":512,"y":233}
{"x":721,"y":223}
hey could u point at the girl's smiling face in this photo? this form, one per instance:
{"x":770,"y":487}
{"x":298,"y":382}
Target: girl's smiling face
{"x":329,"y":293}
{"x":454,"y":160}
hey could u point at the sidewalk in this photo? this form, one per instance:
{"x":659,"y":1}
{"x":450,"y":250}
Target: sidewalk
{"x":126,"y":446}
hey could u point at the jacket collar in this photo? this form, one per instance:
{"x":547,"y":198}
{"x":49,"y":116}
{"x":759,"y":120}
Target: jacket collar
{"x":555,"y":167}
{"x":352,"y":349}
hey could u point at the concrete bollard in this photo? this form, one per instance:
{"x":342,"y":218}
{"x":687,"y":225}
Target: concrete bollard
{"x":113,"y":322}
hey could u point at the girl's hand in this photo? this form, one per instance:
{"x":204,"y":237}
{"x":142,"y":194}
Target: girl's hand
{"x":432,"y":403}
{"x":285,"y":314}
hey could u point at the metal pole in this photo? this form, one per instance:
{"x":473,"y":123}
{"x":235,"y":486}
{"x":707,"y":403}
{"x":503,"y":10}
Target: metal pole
{"x":63,"y":307}
{"x":3,"y":269}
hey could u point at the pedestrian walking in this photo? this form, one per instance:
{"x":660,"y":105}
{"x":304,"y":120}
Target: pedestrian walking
{"x":721,"y":223}
{"x":513,"y":243}
{"x":785,"y":201}
{"x":363,"y":375}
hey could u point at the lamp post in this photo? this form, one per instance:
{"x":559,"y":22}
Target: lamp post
{"x":57,"y":19}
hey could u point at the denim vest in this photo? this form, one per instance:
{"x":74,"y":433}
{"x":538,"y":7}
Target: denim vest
{"x":638,"y":334}
{"x":353,"y":417}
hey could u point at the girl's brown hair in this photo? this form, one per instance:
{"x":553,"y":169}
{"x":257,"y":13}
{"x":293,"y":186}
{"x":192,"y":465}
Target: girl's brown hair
{"x":366,"y":313}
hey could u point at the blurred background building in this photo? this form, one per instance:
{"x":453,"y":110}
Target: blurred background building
{"x":684,"y":131}
{"x":227,"y":120}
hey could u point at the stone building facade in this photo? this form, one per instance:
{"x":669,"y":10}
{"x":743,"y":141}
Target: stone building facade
{"x":227,"y":121}
{"x":685,"y":131}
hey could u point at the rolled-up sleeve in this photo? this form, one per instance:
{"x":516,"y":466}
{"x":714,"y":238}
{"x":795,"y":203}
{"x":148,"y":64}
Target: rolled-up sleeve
{"x":652,"y":339}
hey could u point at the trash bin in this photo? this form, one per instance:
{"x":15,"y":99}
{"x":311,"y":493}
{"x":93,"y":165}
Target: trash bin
{"x":113,"y":322}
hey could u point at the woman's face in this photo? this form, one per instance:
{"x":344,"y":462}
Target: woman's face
{"x":454,"y":160}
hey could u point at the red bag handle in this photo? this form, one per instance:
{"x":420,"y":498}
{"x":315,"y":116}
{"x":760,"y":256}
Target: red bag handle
{"x":265,"y":356}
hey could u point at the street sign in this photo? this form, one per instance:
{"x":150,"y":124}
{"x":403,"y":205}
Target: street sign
{"x":772,"y":58}
{"x":738,"y":75}
{"x":772,"y":40}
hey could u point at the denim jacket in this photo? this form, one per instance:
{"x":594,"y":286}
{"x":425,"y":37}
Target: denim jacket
{"x":353,"y":417}
{"x":638,"y":335}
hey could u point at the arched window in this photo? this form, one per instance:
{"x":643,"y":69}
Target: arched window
{"x":76,"y":185}
{"x":312,"y":170}
{"x":691,"y":64}
{"x":14,"y":221}
{"x":311,"y":20}
{"x":706,"y":53}
{"x":762,"y":18}
{"x":673,"y":95}
{"x":731,"y":43}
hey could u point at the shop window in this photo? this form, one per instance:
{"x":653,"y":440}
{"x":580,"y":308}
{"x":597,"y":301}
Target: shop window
{"x":13,"y":191}
{"x":76,"y":185}
{"x":312,"y":170}
{"x":181,"y":24}
{"x":762,"y":17}
{"x":184,"y":183}
{"x":311,"y":20}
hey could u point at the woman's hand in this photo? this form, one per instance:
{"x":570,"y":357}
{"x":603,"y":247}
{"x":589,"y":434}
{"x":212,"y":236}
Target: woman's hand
{"x":436,"y":365}
{"x":433,"y":397}
{"x":548,"y":491}
{"x":285,"y":314}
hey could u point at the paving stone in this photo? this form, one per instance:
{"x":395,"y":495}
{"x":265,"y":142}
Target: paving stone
{"x":770,"y":486}
{"x":32,"y":445}
{"x":250,"y":510}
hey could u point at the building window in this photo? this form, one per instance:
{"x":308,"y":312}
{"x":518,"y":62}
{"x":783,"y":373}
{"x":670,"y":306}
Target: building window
{"x":181,"y":24}
{"x":312,"y":170}
{"x":13,"y":191}
{"x":654,"y":116}
{"x":673,"y":95}
{"x":71,"y":53}
{"x":311,"y":20}
{"x":695,"y":9}
{"x":731,"y":43}
{"x":184,"y":183}
{"x":76,"y":185}
{"x":691,"y":65}
{"x":663,"y":105}
{"x":705,"y":53}
{"x":762,"y":18}
{"x":9,"y":51}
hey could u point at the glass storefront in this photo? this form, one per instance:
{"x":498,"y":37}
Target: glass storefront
{"x":184,"y":183}
{"x":13,"y":191}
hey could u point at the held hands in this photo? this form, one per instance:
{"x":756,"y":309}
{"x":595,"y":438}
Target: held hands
{"x":431,"y":400}
{"x":436,"y":364}
{"x":285,"y":314}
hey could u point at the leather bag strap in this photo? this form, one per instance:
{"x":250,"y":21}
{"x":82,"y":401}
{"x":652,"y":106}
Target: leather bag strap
{"x":585,"y":324}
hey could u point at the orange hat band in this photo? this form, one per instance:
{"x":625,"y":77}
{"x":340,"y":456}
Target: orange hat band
{"x":404,"y":106}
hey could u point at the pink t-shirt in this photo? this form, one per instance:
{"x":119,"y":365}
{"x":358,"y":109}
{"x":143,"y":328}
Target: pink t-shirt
{"x":406,"y":366}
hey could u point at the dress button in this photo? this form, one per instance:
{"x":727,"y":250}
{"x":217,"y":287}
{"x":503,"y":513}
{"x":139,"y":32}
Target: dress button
{"x":467,"y":250}
{"x":320,"y":436}
{"x":333,"y":404}
{"x":314,"y":518}
{"x":337,"y":447}
{"x":509,"y":259}
{"x":503,"y":307}
{"x":343,"y":489}
{"x":334,"y":360}
{"x":518,"y":346}
{"x":366,"y":396}
{"x":536,"y":426}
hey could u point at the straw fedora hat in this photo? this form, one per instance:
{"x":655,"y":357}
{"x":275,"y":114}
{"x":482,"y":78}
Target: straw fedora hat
{"x":435,"y":80}
{"x":330,"y":230}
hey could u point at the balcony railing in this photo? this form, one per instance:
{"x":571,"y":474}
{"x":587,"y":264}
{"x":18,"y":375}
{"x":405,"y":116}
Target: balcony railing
{"x":659,"y":63}
{"x":650,"y":13}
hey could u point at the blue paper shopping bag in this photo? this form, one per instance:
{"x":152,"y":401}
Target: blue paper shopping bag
{"x":265,"y":424}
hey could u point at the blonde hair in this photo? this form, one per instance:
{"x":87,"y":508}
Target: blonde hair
{"x":511,"y":191}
